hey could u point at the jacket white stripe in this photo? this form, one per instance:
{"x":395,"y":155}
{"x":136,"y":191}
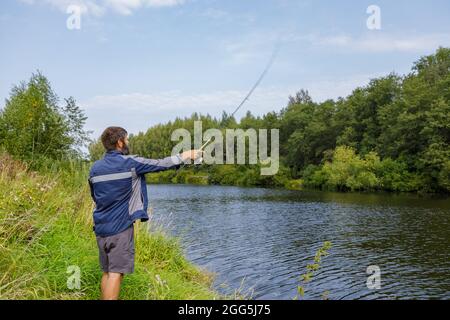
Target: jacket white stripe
{"x":110,"y":177}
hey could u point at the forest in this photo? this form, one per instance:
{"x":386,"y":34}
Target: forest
{"x":392,"y":135}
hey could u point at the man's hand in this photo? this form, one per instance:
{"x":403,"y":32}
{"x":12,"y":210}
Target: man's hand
{"x":191,"y":155}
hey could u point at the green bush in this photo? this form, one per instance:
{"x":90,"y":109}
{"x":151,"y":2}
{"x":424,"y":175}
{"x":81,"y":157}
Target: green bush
{"x":348,"y":171}
{"x":200,"y":180}
{"x":224,"y":174}
{"x":294,"y":184}
{"x":160,"y":177}
{"x":181,"y":176}
{"x":444,"y":177}
{"x":394,"y":176}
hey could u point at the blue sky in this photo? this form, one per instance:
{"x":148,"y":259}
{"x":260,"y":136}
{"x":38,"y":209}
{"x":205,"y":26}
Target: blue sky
{"x":135,"y":63}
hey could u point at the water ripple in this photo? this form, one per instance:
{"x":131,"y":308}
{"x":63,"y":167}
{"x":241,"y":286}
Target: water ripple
{"x":263,"y":239}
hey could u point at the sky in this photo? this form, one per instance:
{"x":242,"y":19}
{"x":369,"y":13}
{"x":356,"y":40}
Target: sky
{"x":136,"y":63}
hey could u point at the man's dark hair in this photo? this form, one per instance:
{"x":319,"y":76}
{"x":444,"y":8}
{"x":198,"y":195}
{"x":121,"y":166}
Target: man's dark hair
{"x":111,"y":135}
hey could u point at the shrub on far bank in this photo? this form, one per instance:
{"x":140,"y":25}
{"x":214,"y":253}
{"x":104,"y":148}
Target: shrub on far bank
{"x":160,"y":177}
{"x":246,"y":175}
{"x":199,"y":180}
{"x":296,"y":184}
{"x":444,"y":177}
{"x":350,"y":172}
{"x":394,"y":176}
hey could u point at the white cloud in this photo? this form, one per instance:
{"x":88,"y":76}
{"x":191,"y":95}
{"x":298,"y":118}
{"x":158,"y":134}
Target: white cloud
{"x":214,"y":13}
{"x":378,"y":42}
{"x":250,"y":47}
{"x":254,"y":47}
{"x":99,"y":7}
{"x":90,"y":7}
{"x":126,"y":7}
{"x":138,"y":111}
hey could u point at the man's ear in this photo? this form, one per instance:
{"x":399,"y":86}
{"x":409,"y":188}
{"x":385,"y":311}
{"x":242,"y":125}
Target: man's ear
{"x":119,"y":144}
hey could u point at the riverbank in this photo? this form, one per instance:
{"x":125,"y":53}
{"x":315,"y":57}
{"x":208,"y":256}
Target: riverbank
{"x":225,"y":175}
{"x":348,"y":172}
{"x":46,"y":237}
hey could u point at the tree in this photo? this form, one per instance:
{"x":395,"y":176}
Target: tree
{"x":74,"y":121}
{"x":32,"y":124}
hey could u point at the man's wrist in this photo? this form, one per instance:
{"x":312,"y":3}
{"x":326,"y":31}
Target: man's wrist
{"x":181,"y":159}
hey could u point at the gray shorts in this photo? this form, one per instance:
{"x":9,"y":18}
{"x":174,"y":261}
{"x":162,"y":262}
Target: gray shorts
{"x":116,"y":252}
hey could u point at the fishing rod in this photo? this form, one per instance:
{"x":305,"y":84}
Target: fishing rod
{"x":200,"y":160}
{"x":249,"y":94}
{"x":256,"y":85}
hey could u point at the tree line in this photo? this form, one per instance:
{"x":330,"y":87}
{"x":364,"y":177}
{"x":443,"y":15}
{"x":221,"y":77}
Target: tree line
{"x":392,"y":134}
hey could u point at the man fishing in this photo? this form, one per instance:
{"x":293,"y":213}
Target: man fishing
{"x":118,"y":187}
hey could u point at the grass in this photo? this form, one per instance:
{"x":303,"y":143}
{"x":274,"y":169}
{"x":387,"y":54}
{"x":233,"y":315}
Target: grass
{"x":294,"y":184}
{"x":46,"y":227}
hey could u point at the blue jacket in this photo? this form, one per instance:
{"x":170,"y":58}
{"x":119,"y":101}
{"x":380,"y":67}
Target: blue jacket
{"x":119,"y":190}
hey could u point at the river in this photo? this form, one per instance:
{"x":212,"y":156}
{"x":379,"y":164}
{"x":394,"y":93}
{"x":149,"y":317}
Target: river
{"x":259,"y":241}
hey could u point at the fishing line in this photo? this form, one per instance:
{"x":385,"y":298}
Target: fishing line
{"x":260,"y":79}
{"x":253,"y":88}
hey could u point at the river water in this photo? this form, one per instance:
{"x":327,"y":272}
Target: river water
{"x":259,"y":241}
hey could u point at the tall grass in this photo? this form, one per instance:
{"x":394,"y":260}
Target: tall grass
{"x":46,"y":226}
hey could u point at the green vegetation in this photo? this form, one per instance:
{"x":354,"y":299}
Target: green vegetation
{"x":46,"y":226}
{"x":34,"y":127}
{"x":393,"y":135}
{"x":348,"y":171}
{"x":312,"y":268}
{"x":46,"y":212}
